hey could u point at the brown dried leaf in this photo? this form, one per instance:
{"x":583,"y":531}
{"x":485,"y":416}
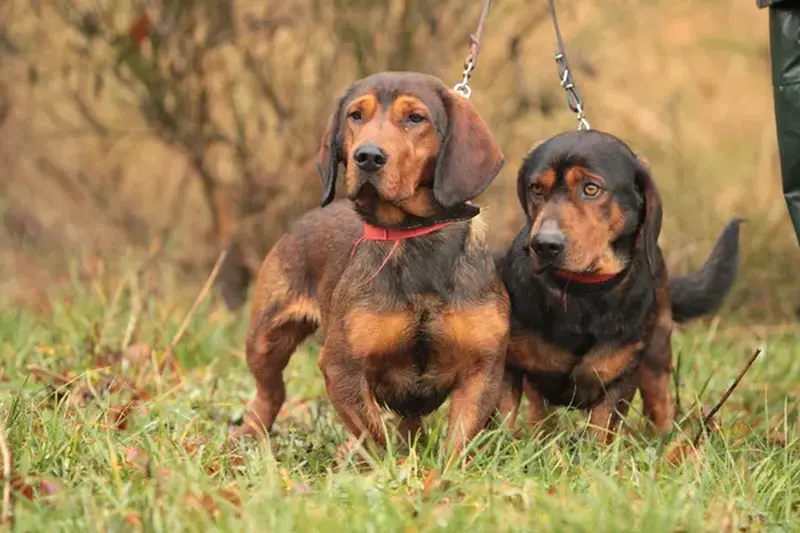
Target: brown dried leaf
{"x":118,"y":414}
{"x":231,"y":495}
{"x":202,"y":504}
{"x":777,"y":439}
{"x":136,"y":457}
{"x":48,"y":487}
{"x":107,"y":358}
{"x":432,"y":481}
{"x":32,"y":487}
{"x":133,"y":519}
{"x":163,"y":474}
{"x":138,"y":354}
{"x":80,"y":395}
{"x":680,"y":453}
{"x":43,"y":375}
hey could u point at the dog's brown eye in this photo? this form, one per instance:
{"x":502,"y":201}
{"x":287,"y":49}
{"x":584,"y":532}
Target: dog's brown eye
{"x":356,"y":115}
{"x":415,"y":118}
{"x":536,"y":189}
{"x":591,"y":190}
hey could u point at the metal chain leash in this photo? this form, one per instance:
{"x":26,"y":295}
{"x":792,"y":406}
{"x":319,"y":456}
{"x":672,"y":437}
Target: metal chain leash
{"x":471,"y":61}
{"x":574,"y":99}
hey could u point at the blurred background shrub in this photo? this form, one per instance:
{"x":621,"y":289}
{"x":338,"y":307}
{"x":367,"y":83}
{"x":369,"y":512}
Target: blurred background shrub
{"x":184,"y":127}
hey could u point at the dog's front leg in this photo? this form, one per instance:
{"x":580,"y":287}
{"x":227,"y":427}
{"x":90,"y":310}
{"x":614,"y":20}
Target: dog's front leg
{"x":654,"y":376}
{"x":509,"y":397}
{"x":350,"y":394}
{"x":473,"y":400}
{"x":606,"y":415}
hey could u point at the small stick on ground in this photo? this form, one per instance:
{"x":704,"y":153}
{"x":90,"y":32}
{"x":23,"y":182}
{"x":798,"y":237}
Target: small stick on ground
{"x":707,"y":419}
{"x":676,"y":377}
{"x":169,"y":354}
{"x":6,"y":511}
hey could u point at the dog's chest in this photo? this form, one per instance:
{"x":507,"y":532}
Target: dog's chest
{"x":563,"y":377}
{"x":414,"y":355}
{"x":424,"y":329}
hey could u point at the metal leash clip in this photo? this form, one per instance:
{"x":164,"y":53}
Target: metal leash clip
{"x":573,"y":98}
{"x":462,"y":87}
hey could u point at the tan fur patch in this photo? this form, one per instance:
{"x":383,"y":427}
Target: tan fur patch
{"x":299,"y":308}
{"x":547,"y":180}
{"x":367,"y":104}
{"x":379,"y":333}
{"x":604,"y":366}
{"x":534,"y":355}
{"x":656,"y":397}
{"x":386,"y":213}
{"x":405,"y":104}
{"x":421,"y":204}
{"x":476,"y":329}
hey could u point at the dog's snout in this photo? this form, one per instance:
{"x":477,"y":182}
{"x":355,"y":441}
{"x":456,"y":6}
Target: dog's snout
{"x":370,"y":157}
{"x":548,"y":244}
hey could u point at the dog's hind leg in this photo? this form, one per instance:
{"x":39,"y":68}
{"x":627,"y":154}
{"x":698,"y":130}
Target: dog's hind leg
{"x":269,"y":347}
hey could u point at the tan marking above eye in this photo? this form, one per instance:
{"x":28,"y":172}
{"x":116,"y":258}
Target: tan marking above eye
{"x":546,"y":180}
{"x":408,"y":109}
{"x":362,"y":108}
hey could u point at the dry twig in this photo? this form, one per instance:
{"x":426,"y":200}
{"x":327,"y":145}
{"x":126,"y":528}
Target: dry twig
{"x":169,"y":354}
{"x":708,"y":418}
{"x":676,"y":376}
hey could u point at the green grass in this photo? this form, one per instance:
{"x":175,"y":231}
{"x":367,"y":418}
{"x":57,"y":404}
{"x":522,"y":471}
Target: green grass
{"x":164,"y":471}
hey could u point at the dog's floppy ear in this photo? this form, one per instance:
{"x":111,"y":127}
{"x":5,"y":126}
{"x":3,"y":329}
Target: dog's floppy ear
{"x":650,"y":228}
{"x":330,"y":153}
{"x":470,"y":157}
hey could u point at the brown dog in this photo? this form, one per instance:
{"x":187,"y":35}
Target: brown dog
{"x":592,"y":305}
{"x":411,"y":306}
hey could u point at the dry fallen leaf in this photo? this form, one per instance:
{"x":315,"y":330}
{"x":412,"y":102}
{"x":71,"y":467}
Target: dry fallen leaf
{"x":163,"y":474}
{"x":137,"y":354}
{"x":107,"y":358}
{"x":33,"y":486}
{"x":43,"y":375}
{"x":777,"y":439}
{"x":136,"y":457}
{"x":680,"y":453}
{"x":133,"y":519}
{"x":432,"y":481}
{"x":202,"y":504}
{"x":231,"y":495}
{"x":118,"y":414}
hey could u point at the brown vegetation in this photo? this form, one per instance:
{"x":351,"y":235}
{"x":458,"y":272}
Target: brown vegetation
{"x":193,"y":125}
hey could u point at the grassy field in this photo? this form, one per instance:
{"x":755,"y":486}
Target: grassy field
{"x":102,"y":441}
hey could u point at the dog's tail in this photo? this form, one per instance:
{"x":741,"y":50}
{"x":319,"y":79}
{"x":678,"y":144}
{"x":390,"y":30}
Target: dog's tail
{"x":703,"y":291}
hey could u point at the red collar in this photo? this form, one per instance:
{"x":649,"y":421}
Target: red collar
{"x":375,"y":233}
{"x":583,"y":277}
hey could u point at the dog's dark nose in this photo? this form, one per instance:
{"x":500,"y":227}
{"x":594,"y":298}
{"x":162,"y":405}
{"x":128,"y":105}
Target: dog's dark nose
{"x":548,"y":244}
{"x":370,"y":157}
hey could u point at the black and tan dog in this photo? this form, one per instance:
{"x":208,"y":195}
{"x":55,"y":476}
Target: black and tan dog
{"x":592,"y":305}
{"x":399,"y":277}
